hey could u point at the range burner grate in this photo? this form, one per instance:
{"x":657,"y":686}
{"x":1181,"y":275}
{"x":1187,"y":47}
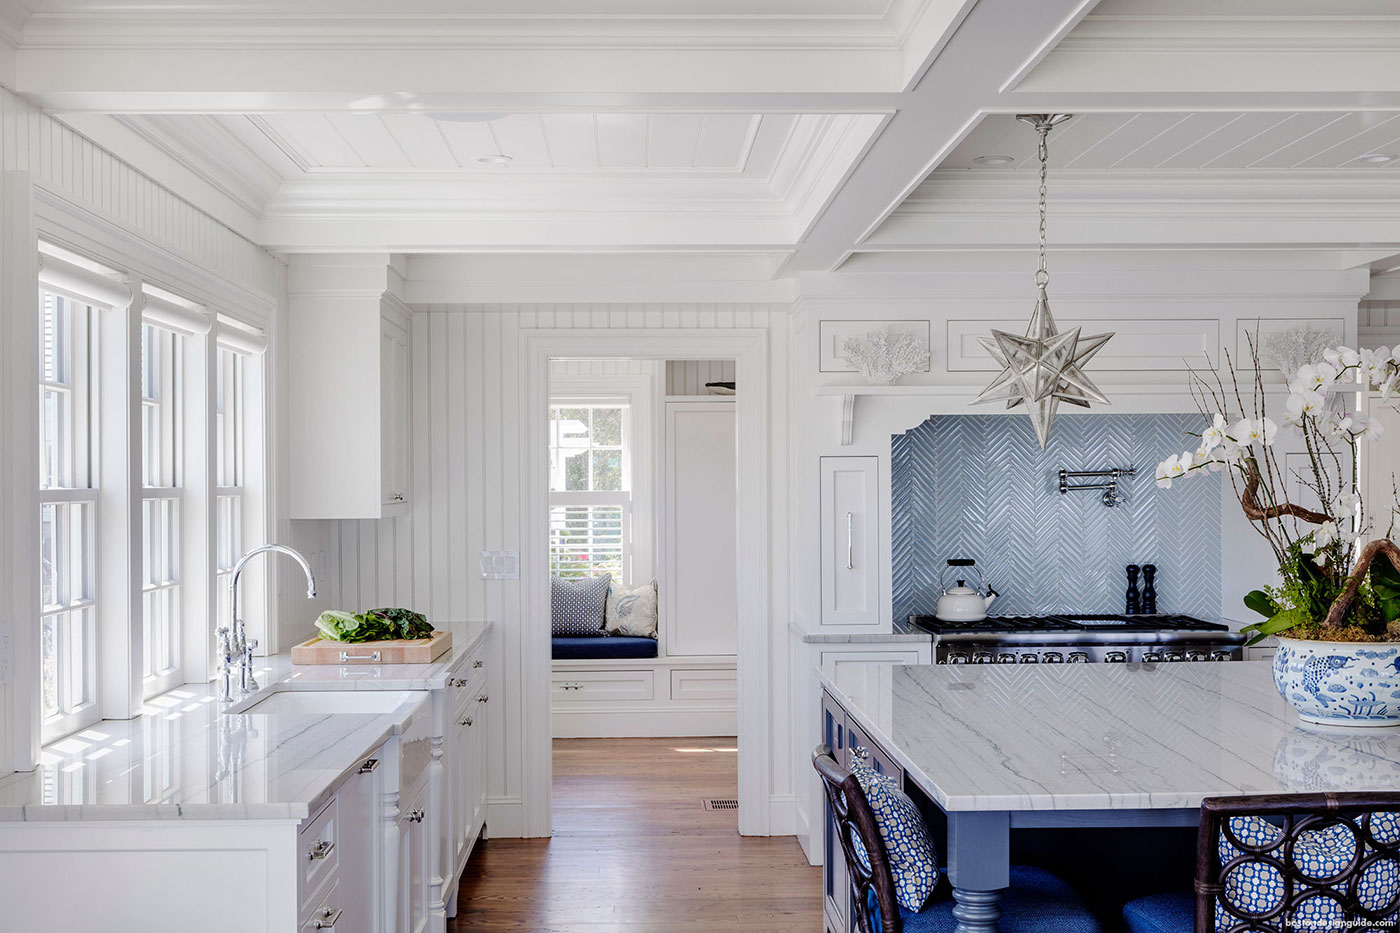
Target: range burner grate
{"x":1073,"y":622}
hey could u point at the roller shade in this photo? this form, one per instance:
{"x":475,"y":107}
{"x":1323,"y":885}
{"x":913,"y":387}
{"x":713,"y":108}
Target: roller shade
{"x":163,"y":312}
{"x":80,"y":284}
{"x":239,"y":339}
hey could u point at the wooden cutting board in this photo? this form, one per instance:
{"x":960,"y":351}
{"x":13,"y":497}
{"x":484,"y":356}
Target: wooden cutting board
{"x":319,"y":650}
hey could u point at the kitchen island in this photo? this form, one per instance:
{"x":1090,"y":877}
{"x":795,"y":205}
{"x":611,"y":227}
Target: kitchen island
{"x":313,"y":793}
{"x":1002,"y":747}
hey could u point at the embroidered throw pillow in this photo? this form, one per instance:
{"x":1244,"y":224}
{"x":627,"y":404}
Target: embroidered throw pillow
{"x":907,"y":844}
{"x":631,"y":612}
{"x":577,"y":605}
{"x":1255,"y":887}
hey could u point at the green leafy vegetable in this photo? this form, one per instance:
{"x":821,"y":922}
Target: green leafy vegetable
{"x":375,"y":625}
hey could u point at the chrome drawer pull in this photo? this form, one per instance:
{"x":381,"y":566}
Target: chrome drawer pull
{"x":482,"y":699}
{"x":416,"y":815}
{"x":319,"y":851}
{"x":478,"y":663}
{"x":369,"y":765}
{"x":466,"y":722}
{"x":861,"y":752}
{"x":347,"y":656}
{"x":327,"y":919}
{"x":850,"y":541}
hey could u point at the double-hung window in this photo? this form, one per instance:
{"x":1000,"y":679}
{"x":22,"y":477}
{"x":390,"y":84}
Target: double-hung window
{"x":67,"y":515}
{"x":229,"y":468}
{"x":162,"y":364}
{"x":590,"y":499}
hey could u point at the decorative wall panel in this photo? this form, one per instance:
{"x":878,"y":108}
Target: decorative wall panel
{"x":979,"y":486}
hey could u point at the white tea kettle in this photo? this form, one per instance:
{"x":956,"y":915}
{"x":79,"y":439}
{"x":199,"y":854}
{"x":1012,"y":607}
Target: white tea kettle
{"x":963,"y":603}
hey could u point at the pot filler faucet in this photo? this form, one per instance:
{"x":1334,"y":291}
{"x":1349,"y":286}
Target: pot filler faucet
{"x":237,"y":643}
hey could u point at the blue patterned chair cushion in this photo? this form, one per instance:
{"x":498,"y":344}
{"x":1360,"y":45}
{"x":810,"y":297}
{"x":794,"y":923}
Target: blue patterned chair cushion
{"x":1036,"y":902}
{"x":912,"y":860}
{"x":577,"y":605}
{"x":1254,"y":888}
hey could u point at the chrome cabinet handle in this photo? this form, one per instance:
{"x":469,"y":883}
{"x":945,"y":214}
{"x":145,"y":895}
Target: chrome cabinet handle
{"x":457,"y":682}
{"x":320,"y":850}
{"x":478,"y":663}
{"x":850,"y":541}
{"x":860,"y":751}
{"x":482,"y":699}
{"x":347,"y":656}
{"x":398,"y":497}
{"x":466,"y":722}
{"x":326,"y":919}
{"x":416,"y":815}
{"x":369,"y":765}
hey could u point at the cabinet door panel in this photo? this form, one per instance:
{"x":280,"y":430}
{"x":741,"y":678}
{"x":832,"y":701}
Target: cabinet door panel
{"x":850,"y":540}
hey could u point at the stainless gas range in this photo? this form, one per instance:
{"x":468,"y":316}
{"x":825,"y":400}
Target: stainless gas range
{"x":1071,"y":639}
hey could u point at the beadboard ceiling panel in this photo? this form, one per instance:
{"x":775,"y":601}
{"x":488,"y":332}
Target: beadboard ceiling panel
{"x":1109,"y":142}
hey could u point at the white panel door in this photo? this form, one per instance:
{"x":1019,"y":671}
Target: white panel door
{"x":700,"y":593}
{"x":850,"y":542}
{"x":1380,"y":469}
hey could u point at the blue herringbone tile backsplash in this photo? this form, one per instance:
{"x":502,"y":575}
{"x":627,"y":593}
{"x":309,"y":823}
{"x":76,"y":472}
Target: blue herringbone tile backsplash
{"x":979,"y":486}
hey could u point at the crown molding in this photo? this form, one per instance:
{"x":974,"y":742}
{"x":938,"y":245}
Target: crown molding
{"x":1368,"y":184}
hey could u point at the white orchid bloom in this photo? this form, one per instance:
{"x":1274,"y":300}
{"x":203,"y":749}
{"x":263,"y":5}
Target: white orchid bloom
{"x":1326,"y":534}
{"x":1372,"y":431}
{"x":1309,"y":403}
{"x":1213,"y":436}
{"x":1347,"y":357}
{"x":1348,"y":502}
{"x":1253,"y":431}
{"x":1172,"y":468}
{"x":1308,"y":378}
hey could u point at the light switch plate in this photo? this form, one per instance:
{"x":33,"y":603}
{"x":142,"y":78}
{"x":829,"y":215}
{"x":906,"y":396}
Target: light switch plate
{"x":6,"y":655}
{"x":500,"y":565}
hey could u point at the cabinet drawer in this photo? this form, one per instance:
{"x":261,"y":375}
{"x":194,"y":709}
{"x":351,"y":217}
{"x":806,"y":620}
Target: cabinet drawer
{"x":858,"y":745}
{"x":318,"y":854}
{"x":708,"y":687}
{"x":325,"y":914}
{"x":597,"y":686}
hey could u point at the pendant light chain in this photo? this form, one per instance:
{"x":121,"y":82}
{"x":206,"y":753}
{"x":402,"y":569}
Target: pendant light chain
{"x":1042,"y":274}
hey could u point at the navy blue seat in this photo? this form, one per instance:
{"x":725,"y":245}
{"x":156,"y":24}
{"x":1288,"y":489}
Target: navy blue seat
{"x":1036,"y":902}
{"x":602,"y":647}
{"x":1174,"y":912}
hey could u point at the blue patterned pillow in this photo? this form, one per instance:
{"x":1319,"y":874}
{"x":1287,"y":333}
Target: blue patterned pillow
{"x":912,"y":860}
{"x":1256,"y":888}
{"x":577,"y":605}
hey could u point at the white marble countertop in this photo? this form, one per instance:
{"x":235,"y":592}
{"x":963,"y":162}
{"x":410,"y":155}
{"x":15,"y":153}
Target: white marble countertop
{"x":1103,"y":736}
{"x":902,"y":631}
{"x":187,"y":758}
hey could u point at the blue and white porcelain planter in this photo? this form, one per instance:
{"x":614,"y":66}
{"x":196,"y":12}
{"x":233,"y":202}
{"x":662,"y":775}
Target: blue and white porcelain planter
{"x":1340,"y":683}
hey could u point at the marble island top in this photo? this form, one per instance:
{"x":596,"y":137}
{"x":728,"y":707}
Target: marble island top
{"x":1103,"y":736}
{"x":187,"y":757}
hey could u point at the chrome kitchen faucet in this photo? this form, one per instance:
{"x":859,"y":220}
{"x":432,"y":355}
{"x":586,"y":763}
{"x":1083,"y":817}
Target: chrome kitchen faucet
{"x":237,"y":643}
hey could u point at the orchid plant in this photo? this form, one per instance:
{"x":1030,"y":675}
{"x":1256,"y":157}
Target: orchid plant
{"x":1328,"y":590}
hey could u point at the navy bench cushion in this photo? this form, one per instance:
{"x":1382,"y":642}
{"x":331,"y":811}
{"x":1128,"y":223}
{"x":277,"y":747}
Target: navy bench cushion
{"x":596,"y":647}
{"x":1161,"y":913}
{"x":1036,"y":902}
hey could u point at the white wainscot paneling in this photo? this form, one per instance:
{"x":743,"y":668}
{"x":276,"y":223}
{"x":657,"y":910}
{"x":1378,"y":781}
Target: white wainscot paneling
{"x":831,"y":356}
{"x":1143,"y":344}
{"x":705,"y":687}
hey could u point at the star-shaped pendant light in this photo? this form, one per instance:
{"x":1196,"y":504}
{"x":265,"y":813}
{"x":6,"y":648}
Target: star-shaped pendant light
{"x":1045,"y":367}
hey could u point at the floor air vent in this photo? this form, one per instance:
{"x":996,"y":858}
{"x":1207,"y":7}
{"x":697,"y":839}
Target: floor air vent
{"x":721,"y":803}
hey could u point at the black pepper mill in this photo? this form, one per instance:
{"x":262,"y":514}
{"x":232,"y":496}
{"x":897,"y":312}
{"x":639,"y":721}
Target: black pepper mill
{"x":1134,"y":601}
{"x":1149,"y":589}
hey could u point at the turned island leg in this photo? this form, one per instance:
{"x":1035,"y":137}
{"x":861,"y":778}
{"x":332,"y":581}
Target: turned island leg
{"x":979,"y":867}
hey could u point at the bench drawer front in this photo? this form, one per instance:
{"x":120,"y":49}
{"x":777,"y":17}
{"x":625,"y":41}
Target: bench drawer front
{"x":603,"y":686}
{"x":706,"y":687}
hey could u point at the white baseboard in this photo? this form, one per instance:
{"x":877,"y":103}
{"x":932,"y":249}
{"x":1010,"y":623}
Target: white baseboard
{"x":782,"y":814}
{"x":505,"y":817}
{"x":634,"y":722}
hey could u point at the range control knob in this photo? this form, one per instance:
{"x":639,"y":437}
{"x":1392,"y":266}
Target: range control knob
{"x":1078,"y":657}
{"x":1175,"y":656}
{"x":1053,"y":657}
{"x":1220,"y":656}
{"x":982,"y":657}
{"x":1029,"y":658}
{"x":1149,"y":657}
{"x":1006,"y":657}
{"x":1115,"y":657}
{"x":957,"y":657}
{"x":1197,"y":656}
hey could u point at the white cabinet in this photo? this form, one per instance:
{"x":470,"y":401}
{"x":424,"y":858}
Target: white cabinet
{"x":850,"y":569}
{"x":350,"y":358}
{"x":414,"y":851}
{"x":464,"y":783}
{"x":699,"y":589}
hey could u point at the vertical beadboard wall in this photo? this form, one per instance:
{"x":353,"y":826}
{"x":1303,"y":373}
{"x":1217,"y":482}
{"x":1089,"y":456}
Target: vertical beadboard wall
{"x":35,"y":149}
{"x":467,"y":495}
{"x":688,"y":377}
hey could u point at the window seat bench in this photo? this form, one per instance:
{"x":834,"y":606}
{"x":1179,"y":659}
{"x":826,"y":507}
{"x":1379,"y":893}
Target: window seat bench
{"x":602,"y":647}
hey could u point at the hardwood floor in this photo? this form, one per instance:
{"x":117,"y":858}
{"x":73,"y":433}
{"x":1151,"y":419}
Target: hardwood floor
{"x":634,"y":850}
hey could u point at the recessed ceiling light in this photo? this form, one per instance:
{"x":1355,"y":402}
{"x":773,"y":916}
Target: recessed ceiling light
{"x":494,"y":159}
{"x":1377,"y":158}
{"x":993,"y":160}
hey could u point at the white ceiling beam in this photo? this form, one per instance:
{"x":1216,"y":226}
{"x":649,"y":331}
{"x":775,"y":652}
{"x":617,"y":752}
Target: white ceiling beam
{"x":994,"y":43}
